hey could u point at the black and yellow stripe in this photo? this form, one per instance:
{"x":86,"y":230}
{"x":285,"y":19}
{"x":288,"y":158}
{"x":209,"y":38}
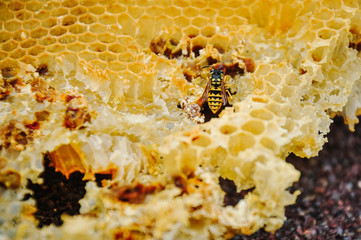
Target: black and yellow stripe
{"x":214,"y":97}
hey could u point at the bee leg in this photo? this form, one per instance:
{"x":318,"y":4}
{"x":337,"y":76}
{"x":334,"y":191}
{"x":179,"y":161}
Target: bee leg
{"x":229,"y":94}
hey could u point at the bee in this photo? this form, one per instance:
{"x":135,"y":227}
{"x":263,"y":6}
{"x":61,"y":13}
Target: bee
{"x":215,"y":93}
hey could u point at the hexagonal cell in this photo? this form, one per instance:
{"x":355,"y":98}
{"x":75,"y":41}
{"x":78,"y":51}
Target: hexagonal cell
{"x":162,"y":21}
{"x":269,"y":143}
{"x":76,"y":47}
{"x":117,"y":48}
{"x":31,"y":24}
{"x":208,"y":31}
{"x":107,"y":56}
{"x":34,"y":6}
{"x":6,"y":15}
{"x":58,"y":31}
{"x":172,"y":11}
{"x":273,"y":78}
{"x":18,"y":53}
{"x":3,"y":55}
{"x":135,"y":12}
{"x":28,"y":43}
{"x":39,"y":33}
{"x":42,"y":15}
{"x":240,"y":142}
{"x":255,"y":127}
{"x":50,"y":5}
{"x":324,"y":14}
{"x":57,"y":12}
{"x":226,"y":12}
{"x":50,"y":22}
{"x":115,"y":8}
{"x":56,"y":48}
{"x":136,"y":67}
{"x":181,"y":21}
{"x":243,"y":12}
{"x":318,"y":54}
{"x":145,"y":24}
{"x":228,"y":129}
{"x":97,"y":47}
{"x":20,"y":35}
{"x":221,"y":21}
{"x":15,"y":6}
{"x":126,"y":57}
{"x":107,"y":19}
{"x":116,"y":66}
{"x":97,"y":28}
{"x":87,"y":19}
{"x":28,"y":59}
{"x":191,"y":31}
{"x":198,"y":43}
{"x":236,"y":21}
{"x":9,"y":45}
{"x":220,"y":43}
{"x":181,"y":3}
{"x":190,"y":12}
{"x":98,"y":63}
{"x":77,"y":28}
{"x":4,"y":36}
{"x":293,"y":80}
{"x":23,"y":15}
{"x":87,"y":37}
{"x":69,"y":20}
{"x":127,"y":23}
{"x":36,"y":50}
{"x":199,"y":21}
{"x":86,"y":55}
{"x":154,"y":11}
{"x":208,"y":12}
{"x":47,"y":40}
{"x":12,"y":25}
{"x":216,"y":4}
{"x":335,"y":24}
{"x":107,"y":38}
{"x":67,"y":38}
{"x":79,"y":10}
{"x":69,"y":3}
{"x":89,"y":2}
{"x":263,"y":114}
{"x":97,"y":10}
{"x":115,"y":29}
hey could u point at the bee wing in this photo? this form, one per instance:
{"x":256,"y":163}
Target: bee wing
{"x":203,"y":99}
{"x":224,"y":93}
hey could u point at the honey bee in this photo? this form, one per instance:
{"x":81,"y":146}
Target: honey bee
{"x":215,"y":93}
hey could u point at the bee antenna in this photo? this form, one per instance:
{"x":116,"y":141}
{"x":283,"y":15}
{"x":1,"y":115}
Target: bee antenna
{"x":207,"y":66}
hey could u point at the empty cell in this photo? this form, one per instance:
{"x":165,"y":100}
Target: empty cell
{"x":208,"y":31}
{"x":49,"y":23}
{"x":6,"y":15}
{"x":77,"y":28}
{"x":30,"y":24}
{"x":127,"y":23}
{"x":319,"y":54}
{"x":269,"y":143}
{"x":326,"y":33}
{"x":240,"y":142}
{"x":79,"y":10}
{"x":134,"y":12}
{"x":293,"y":80}
{"x":199,"y":21}
{"x":106,"y":38}
{"x":56,"y":48}
{"x":221,"y":21}
{"x":154,"y":11}
{"x":324,"y":14}
{"x":108,"y":19}
{"x":87,"y":18}
{"x":263,"y":114}
{"x":69,"y":20}
{"x":42,"y":15}
{"x":12,"y":25}
{"x":97,"y":47}
{"x":117,"y":66}
{"x":190,"y":12}
{"x":97,"y":28}
{"x":136,"y":67}
{"x":216,"y":4}
{"x":97,"y":10}
{"x":255,"y":126}
{"x":28,"y":43}
{"x":117,"y":48}
{"x":50,"y":5}
{"x":34,"y":6}
{"x":20,"y":35}
{"x":181,"y":3}
{"x":47,"y":41}
{"x":235,"y":20}
{"x":58,"y":12}
{"x":115,"y":8}
{"x":15,"y":5}
{"x":9,"y":46}
{"x":126,"y":57}
{"x":66,"y":39}
{"x":36,"y":50}
{"x":28,"y":59}
{"x":288,"y":91}
{"x":69,"y":3}
{"x":208,"y":12}
{"x":58,"y":31}
{"x":76,"y":47}
{"x":181,"y":21}
{"x":336,"y":24}
{"x":226,"y":12}
{"x":22,"y":15}
{"x":107,"y":56}
{"x":273,"y":78}
{"x":227,"y":129}
{"x":172,"y":11}
{"x":86,"y":55}
{"x":88,"y":2}
{"x":191,"y":31}
{"x":39,"y":33}
{"x":201,"y":140}
{"x":87,"y":37}
{"x":18,"y":53}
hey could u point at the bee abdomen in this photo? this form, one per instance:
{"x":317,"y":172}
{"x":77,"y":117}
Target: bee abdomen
{"x":214,"y":100}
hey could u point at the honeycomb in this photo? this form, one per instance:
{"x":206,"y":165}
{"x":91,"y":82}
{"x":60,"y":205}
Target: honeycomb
{"x":96,"y":85}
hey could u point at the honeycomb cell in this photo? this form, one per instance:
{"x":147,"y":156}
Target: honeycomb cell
{"x":97,"y":28}
{"x":136,"y":67}
{"x":263,"y":114}
{"x":66,"y":39}
{"x":30,"y":24}
{"x":273,"y":78}
{"x":18,"y":53}
{"x":77,"y":29}
{"x":190,"y":12}
{"x":3,"y":55}
{"x":79,"y":10}
{"x":255,"y":126}
{"x":115,"y":8}
{"x":12,"y":25}
{"x":87,"y":19}
{"x":56,"y":48}
{"x":69,"y":3}
{"x":216,"y":4}
{"x":59,"y":12}
{"x":39,"y":33}
{"x":220,"y":43}
{"x":191,"y":31}
{"x":201,"y":140}
{"x":76,"y":47}
{"x":135,"y":12}
{"x":235,"y":20}
{"x":23,"y":15}
{"x":293,"y":80}
{"x":34,"y":6}
{"x":161,"y":22}
{"x":262,"y":70}
{"x":50,"y":5}
{"x":108,"y":19}
{"x":47,"y":41}
{"x":97,"y":10}
{"x":228,"y":129}
{"x":146,"y":29}
{"x":226,"y":12}
{"x":127,"y":24}
{"x":115,"y":29}
{"x":240,"y":142}
{"x":181,"y":3}
{"x":69,"y":20}
{"x":126,"y":57}
{"x":42,"y":15}
{"x":58,"y":31}
{"x":326,"y":34}
{"x":208,"y":12}
{"x":208,"y":31}
{"x":97,"y":47}
{"x":87,"y":37}
{"x":221,"y":21}
{"x":319,"y":54}
{"x":335,"y":24}
{"x":9,"y":45}
{"x":15,"y":6}
{"x":49,"y":23}
{"x":88,"y":56}
{"x":288,"y":91}
{"x":88,"y":2}
{"x":106,"y":38}
{"x":181,"y":21}
{"x":107,"y":56}
{"x":172,"y":11}
{"x":117,"y":48}
{"x":199,"y":21}
{"x":116,"y":66}
{"x":28,"y":43}
{"x":36,"y":50}
{"x":243,"y":12}
{"x":154,"y":11}
{"x":6,"y":15}
{"x":269,"y":143}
